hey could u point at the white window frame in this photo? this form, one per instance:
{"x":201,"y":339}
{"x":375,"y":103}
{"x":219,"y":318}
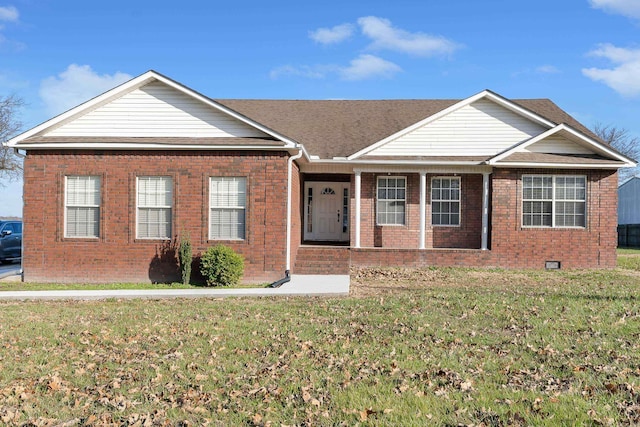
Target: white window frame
{"x":554,"y":200}
{"x":404,"y":200}
{"x":91,"y":206}
{"x":459,"y":200}
{"x":169,"y":207}
{"x":220,"y":207}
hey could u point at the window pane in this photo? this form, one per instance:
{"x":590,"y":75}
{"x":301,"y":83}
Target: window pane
{"x":227,"y":203}
{"x":391,"y":201}
{"x":155,"y":201}
{"x":82,"y":206}
{"x":445,"y":205}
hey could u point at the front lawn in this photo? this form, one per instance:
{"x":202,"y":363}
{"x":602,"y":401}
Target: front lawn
{"x":409,"y":347}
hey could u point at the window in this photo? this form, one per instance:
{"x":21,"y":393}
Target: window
{"x":445,"y":201}
{"x":82,"y":206}
{"x":227,"y":204}
{"x":554,"y":201}
{"x":155,"y":201}
{"x":391,"y":200}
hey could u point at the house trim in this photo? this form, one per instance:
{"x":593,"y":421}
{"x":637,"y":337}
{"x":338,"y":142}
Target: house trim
{"x":582,"y":139}
{"x":133,"y":84}
{"x":484,"y":94}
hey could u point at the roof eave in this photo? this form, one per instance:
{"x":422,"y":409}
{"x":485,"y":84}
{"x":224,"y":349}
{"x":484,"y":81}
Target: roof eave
{"x":549,"y":165}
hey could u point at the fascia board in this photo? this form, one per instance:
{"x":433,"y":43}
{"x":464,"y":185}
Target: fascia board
{"x":134,"y":147}
{"x":555,"y":165}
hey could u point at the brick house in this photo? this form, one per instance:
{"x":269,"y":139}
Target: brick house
{"x":312,"y":186}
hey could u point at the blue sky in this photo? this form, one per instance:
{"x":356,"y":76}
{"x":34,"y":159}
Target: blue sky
{"x":583,"y":54}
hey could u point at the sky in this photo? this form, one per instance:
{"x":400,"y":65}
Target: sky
{"x":582,"y":54}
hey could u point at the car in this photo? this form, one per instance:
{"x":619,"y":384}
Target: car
{"x":10,"y":241}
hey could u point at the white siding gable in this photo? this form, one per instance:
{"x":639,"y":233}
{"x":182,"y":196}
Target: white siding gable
{"x":629,"y":202}
{"x":558,"y":145}
{"x":480,"y":128}
{"x":155,"y":110}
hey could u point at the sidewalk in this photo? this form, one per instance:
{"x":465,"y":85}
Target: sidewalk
{"x":300,"y":285}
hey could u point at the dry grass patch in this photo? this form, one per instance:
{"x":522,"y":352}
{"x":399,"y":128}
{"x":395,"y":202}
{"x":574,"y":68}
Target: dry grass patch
{"x":415,"y":347}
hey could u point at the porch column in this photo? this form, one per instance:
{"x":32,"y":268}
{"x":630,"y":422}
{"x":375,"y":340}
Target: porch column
{"x":423,"y":208}
{"x":357,"y":223}
{"x":485,"y":210}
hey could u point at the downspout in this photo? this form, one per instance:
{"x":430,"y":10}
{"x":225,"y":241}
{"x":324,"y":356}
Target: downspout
{"x":19,"y":154}
{"x":287,"y":275}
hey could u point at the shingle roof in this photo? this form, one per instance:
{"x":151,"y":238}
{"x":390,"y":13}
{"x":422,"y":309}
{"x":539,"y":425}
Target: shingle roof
{"x":329,"y":128}
{"x":528,"y":157}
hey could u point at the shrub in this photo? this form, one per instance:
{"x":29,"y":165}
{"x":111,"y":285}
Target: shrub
{"x":185,"y":257}
{"x":221,"y":266}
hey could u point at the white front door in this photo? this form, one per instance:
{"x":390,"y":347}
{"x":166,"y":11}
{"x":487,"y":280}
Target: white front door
{"x":326,"y":211}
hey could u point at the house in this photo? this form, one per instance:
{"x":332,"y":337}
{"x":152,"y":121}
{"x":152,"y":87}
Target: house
{"x":312,"y":186}
{"x":629,"y":213}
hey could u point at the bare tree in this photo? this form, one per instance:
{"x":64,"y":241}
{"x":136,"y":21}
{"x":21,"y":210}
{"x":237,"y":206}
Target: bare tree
{"x":10,"y":163}
{"x":621,"y":140}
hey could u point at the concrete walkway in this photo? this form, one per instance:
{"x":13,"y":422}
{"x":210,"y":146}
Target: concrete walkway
{"x":300,"y":285}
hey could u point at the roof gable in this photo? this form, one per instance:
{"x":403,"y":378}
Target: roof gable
{"x":484,"y":95}
{"x":557,"y":146}
{"x":155,"y":110}
{"x":482,"y":127}
{"x":150,"y":105}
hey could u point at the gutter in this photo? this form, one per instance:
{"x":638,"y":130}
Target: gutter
{"x":287,"y":276}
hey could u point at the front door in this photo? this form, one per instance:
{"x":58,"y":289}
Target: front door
{"x":326,"y":208}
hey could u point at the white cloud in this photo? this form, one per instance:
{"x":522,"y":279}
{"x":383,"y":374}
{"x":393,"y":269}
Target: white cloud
{"x":385,"y":36}
{"x":369,"y":66}
{"x":361,"y":68}
{"x":628,"y":8}
{"x":623,"y":76}
{"x":332,"y":35}
{"x":9,"y":14}
{"x":547,"y":69}
{"x":75,"y":85}
{"x":312,"y":72}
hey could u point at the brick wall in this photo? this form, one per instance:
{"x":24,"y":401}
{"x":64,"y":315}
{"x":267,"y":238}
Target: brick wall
{"x":593,"y":246}
{"x":117,"y":255}
{"x":512,"y":246}
{"x":467,"y":235}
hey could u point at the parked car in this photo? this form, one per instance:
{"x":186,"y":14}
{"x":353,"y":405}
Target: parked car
{"x":10,"y":241}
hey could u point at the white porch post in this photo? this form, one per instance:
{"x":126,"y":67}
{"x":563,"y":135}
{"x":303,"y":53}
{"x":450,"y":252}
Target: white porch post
{"x":357,"y":224}
{"x":485,"y":210}
{"x":423,"y":208}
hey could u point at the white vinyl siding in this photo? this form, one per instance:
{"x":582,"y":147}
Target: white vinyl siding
{"x":82,"y":206}
{"x":558,"y":145}
{"x":445,"y":201}
{"x":554,"y":201}
{"x":481,"y":128}
{"x":155,"y":202}
{"x":156,"y":110}
{"x":227,"y":206}
{"x":391,"y":204}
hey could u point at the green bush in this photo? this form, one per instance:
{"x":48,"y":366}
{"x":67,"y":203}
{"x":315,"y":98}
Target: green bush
{"x":221,"y":266}
{"x":185,"y":257}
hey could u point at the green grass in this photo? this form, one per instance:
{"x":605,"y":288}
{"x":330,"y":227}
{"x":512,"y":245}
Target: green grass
{"x":628,"y":251}
{"x":411,"y":347}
